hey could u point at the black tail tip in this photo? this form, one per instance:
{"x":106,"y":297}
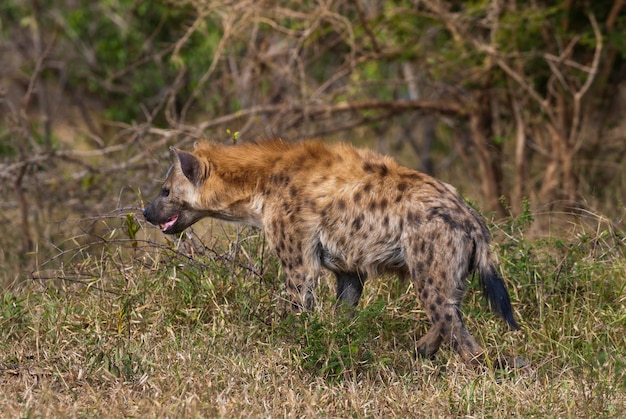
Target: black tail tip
{"x":498,"y":297}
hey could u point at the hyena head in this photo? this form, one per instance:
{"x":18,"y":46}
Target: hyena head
{"x":177,"y":206}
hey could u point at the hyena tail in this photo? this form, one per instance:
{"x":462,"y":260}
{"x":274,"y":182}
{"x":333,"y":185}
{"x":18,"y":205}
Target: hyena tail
{"x":494,"y":289}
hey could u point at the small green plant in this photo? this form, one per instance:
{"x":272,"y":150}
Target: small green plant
{"x":233,"y":135}
{"x":121,"y":361}
{"x":12,"y":315}
{"x":338,"y":347}
{"x":132,"y":227}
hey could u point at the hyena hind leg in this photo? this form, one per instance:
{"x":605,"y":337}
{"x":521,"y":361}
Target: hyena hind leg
{"x":448,"y":326}
{"x":440,"y":286}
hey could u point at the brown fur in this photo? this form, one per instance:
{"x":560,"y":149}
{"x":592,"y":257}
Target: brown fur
{"x":352,"y":211}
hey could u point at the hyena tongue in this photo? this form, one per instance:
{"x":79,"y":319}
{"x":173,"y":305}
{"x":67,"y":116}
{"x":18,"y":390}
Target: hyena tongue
{"x":169,"y":223}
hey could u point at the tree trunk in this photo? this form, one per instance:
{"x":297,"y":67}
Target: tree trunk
{"x":521,"y":164}
{"x":487,"y":151}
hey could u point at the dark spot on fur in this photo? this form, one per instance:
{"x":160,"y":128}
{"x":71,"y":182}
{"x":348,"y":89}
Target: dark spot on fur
{"x":383,"y":204}
{"x":368,"y":167}
{"x":341,"y":204}
{"x":356,"y":224}
{"x":293,"y":192}
{"x":436,"y":318}
{"x":439,"y":301}
{"x":299,"y":161}
{"x":372,"y":206}
{"x":433,"y":308}
{"x":386,"y":220}
{"x":448,"y":317}
{"x":357,"y":197}
{"x":398,"y":198}
{"x":419,"y":267}
{"x":412,"y":176}
{"x":280,"y":179}
{"x":445,"y":332}
{"x":425,"y":294}
{"x":402,"y":186}
{"x":413,"y":217}
{"x":430,"y":280}
{"x":433,"y":183}
{"x":468,"y":226}
{"x":323,"y":213}
{"x":367,"y":187}
{"x":299,"y":261}
{"x":383,"y":169}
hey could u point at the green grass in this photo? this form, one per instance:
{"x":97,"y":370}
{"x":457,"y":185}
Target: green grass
{"x":130,"y":324}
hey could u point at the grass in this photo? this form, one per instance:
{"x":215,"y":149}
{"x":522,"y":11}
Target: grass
{"x":126,"y":323}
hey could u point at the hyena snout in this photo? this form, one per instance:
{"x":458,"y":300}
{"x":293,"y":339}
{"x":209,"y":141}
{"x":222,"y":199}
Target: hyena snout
{"x":149,"y":214}
{"x":170,"y":222}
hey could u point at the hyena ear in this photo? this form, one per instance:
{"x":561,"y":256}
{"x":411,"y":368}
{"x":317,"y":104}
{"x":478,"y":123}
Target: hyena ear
{"x":192,"y":168}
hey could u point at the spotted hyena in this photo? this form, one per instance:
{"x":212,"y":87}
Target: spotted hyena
{"x":352,"y":211}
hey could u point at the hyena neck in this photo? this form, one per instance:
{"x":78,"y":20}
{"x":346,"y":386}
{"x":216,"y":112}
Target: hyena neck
{"x":243,"y":171}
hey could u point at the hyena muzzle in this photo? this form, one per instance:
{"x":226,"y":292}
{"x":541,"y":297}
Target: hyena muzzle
{"x":352,"y":211}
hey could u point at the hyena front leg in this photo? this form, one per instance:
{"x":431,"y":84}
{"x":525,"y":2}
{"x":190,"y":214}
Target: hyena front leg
{"x":300,"y":268}
{"x":300,"y":285}
{"x":349,"y":287}
{"x":349,"y":290}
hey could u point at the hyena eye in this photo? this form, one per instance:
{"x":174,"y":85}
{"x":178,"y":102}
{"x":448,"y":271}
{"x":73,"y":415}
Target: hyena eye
{"x":165,"y":192}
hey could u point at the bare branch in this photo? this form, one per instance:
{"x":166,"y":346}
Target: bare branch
{"x":440,"y":107}
{"x":578,"y":96}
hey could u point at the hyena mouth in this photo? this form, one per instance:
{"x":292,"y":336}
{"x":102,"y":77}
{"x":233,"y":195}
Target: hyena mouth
{"x":169,"y":223}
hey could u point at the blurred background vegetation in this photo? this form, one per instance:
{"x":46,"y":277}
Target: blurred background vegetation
{"x":511,"y":101}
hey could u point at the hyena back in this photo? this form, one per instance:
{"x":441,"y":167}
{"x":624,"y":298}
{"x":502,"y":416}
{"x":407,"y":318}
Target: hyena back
{"x":352,"y":211}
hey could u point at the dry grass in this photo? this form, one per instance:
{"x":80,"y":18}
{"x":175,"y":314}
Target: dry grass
{"x":122,"y":325}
